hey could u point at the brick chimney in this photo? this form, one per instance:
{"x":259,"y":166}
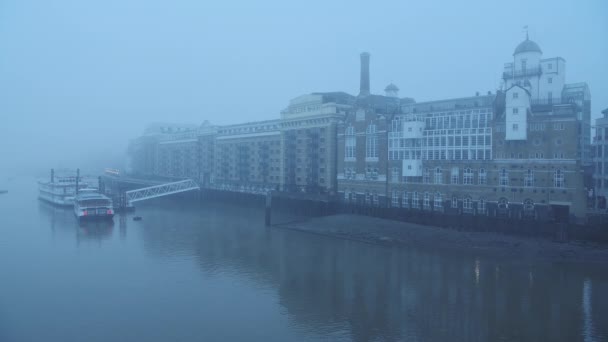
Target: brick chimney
{"x":364,"y":85}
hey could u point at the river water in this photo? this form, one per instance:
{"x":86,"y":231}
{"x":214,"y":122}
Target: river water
{"x":212,"y":272}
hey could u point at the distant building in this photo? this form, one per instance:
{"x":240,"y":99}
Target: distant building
{"x":521,"y":151}
{"x":600,"y":160}
{"x":515,"y":153}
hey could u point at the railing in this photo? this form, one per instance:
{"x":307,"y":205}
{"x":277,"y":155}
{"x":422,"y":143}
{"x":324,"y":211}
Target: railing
{"x":521,"y":73}
{"x":160,"y":190}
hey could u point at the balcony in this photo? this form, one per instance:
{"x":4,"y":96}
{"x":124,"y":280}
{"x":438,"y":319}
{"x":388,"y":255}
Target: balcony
{"x":522,"y":73}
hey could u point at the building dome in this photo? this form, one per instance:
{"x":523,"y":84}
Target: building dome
{"x":391,"y":87}
{"x":527,"y":46}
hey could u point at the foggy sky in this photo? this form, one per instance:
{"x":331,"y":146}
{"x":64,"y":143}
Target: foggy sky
{"x":78,"y":79}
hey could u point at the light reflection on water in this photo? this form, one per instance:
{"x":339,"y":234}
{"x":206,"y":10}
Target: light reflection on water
{"x":194,"y":272}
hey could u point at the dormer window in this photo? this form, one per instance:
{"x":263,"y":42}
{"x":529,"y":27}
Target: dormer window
{"x":515,"y":95}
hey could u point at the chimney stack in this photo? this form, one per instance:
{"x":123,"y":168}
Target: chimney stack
{"x":364,"y":85}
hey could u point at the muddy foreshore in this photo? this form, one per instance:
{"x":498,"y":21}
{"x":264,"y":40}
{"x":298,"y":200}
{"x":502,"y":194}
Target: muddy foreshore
{"x":403,"y":234}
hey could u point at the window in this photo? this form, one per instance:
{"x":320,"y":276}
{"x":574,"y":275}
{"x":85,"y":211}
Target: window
{"x":427,"y":176}
{"x":395,"y":199}
{"x":515,"y":95}
{"x":503,"y":177}
{"x":558,"y":126}
{"x":515,"y":110}
{"x":427,"y":201}
{"x":482,"y":176}
{"x":454,"y":202}
{"x":550,"y":66}
{"x":395,"y":175}
{"x":415,"y":203}
{"x":558,"y":178}
{"x":503,"y":203}
{"x":438,"y":176}
{"x":523,"y":64}
{"x":515,"y":127}
{"x":558,"y":141}
{"x":350,"y":143}
{"x":550,"y":80}
{"x":468,"y":176}
{"x":550,"y":97}
{"x":529,"y":178}
{"x":528,"y":205}
{"x":481,"y":206}
{"x":467,"y":203}
{"x":405,"y":202}
{"x":375,"y":199}
{"x":438,"y":201}
{"x":367,"y":198}
{"x":454,"y":175}
{"x":371,"y":146}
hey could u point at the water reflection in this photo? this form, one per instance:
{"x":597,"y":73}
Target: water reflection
{"x":62,"y":220}
{"x":362,"y":292}
{"x":343,"y":290}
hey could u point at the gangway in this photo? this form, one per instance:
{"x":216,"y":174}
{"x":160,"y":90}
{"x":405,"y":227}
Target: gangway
{"x":160,"y":190}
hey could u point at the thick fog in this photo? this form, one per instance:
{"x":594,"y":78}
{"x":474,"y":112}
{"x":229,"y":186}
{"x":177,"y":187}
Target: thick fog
{"x":78,"y":79}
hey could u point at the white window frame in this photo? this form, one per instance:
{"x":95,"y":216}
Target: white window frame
{"x":371,"y":142}
{"x":558,"y":178}
{"x":503,"y":177}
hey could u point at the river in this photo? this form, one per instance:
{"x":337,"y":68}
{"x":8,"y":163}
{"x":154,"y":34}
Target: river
{"x":194,"y":271}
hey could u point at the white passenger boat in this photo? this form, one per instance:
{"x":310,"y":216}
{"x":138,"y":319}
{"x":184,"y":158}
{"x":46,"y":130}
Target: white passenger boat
{"x":60,"y":189}
{"x":90,"y":204}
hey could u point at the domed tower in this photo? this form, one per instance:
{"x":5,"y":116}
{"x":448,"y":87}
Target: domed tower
{"x":391,"y":90}
{"x":525,"y":70}
{"x":527,"y":56}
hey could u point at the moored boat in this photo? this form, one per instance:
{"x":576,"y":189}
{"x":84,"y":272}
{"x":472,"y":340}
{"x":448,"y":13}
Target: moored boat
{"x":60,"y":189}
{"x":90,"y":204}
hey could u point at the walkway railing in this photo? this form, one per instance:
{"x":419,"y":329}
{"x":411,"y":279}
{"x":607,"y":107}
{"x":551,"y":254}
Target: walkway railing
{"x":160,"y":190}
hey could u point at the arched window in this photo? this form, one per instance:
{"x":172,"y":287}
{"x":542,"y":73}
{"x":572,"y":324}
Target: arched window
{"x":467,"y":203}
{"x":558,"y":178}
{"x":467,"y":176}
{"x":528,"y":205}
{"x":482,"y":176}
{"x":529,"y":178}
{"x":503,"y":177}
{"x":455,"y":175}
{"x":350,"y":144}
{"x":481,"y":206}
{"x":503,"y":203}
{"x":427,"y":201}
{"x":415,"y":203}
{"x":438,"y":201}
{"x":438,"y":176}
{"x":371,"y":146}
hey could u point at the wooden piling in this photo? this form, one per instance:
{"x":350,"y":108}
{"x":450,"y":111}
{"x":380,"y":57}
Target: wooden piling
{"x":268,"y":208}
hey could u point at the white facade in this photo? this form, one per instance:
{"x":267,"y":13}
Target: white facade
{"x":517,"y":106}
{"x":543,"y":78}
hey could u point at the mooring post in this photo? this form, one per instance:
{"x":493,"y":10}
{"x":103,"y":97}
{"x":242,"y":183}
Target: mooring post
{"x":77,"y":180}
{"x":268,"y":208}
